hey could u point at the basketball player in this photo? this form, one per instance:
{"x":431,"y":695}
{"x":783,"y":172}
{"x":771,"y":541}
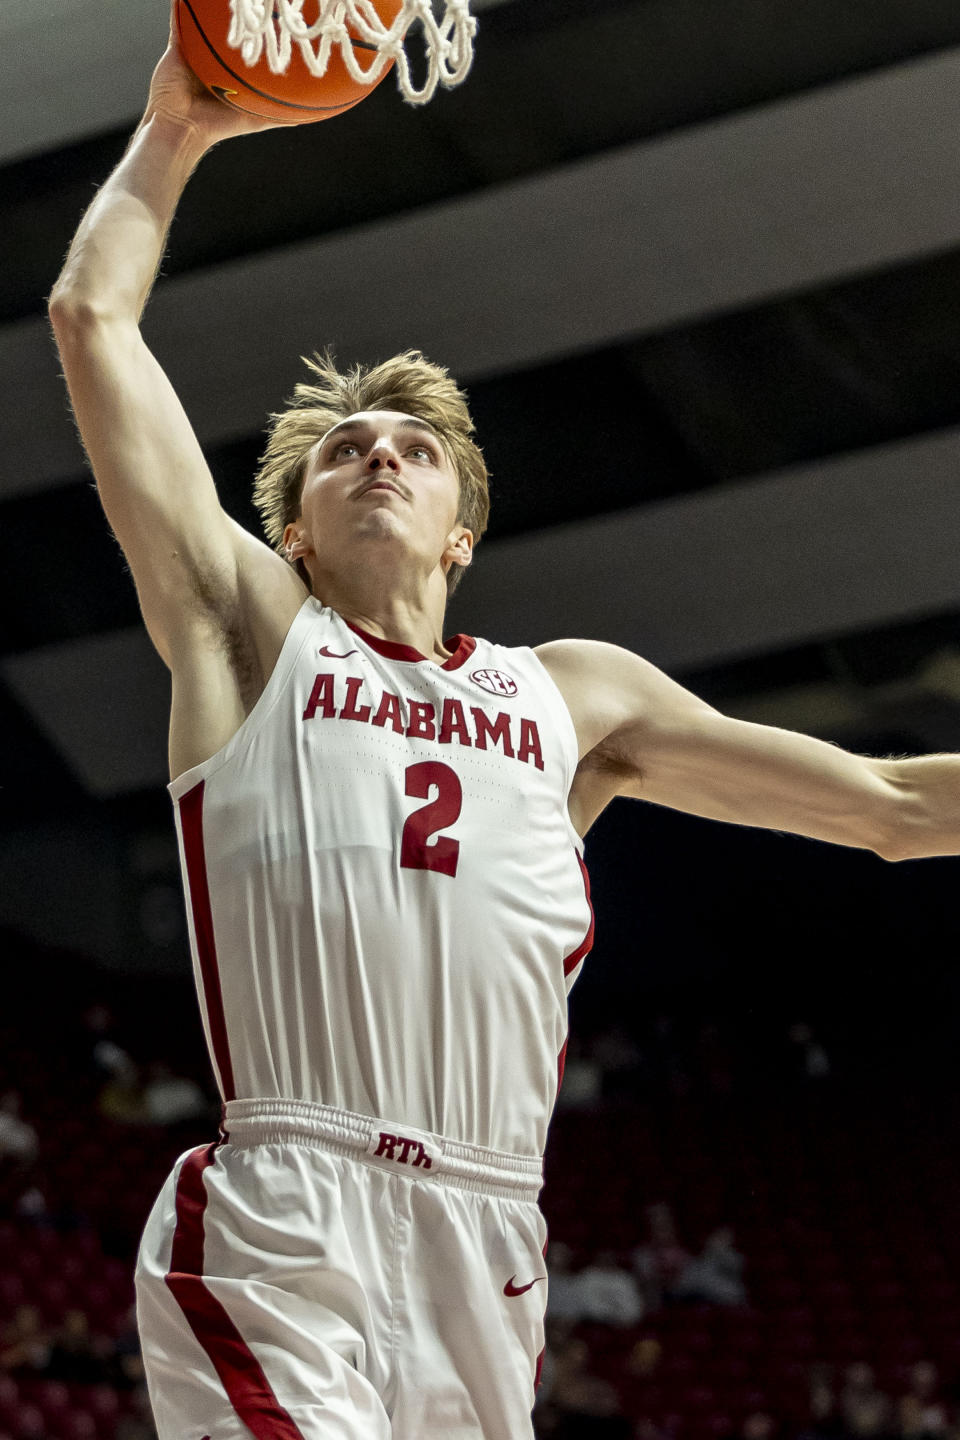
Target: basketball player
{"x":381,"y":841}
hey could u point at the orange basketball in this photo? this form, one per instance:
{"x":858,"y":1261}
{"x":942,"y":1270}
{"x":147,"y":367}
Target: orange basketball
{"x":291,"y":98}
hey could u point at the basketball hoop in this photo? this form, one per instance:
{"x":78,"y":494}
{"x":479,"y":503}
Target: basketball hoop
{"x":275,"y":26}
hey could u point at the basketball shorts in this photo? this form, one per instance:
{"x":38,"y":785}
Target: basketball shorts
{"x":318,"y":1275}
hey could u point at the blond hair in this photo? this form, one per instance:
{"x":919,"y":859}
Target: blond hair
{"x":407,"y":383}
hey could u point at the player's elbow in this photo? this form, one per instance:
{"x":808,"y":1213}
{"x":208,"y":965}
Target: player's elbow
{"x":77,"y":315}
{"x":902,"y":825}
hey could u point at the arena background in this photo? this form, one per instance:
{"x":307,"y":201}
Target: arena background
{"x":697,"y":262}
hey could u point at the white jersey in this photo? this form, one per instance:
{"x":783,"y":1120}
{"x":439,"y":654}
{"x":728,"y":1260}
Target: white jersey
{"x":386,"y":898}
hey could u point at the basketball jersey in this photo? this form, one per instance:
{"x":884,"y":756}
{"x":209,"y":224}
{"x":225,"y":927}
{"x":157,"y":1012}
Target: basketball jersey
{"x":386,"y":898}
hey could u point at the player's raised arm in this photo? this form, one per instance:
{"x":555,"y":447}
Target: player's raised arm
{"x":643,"y":735}
{"x":186,"y":555}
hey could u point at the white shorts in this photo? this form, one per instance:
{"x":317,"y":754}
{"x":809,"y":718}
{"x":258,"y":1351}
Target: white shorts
{"x":319,"y":1275}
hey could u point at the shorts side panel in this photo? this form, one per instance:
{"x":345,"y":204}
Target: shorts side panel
{"x":240,"y":1374}
{"x":228,"y":1353}
{"x":471,"y":1324}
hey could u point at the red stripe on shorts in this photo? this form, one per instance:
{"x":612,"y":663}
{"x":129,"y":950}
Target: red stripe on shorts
{"x":191,"y":824}
{"x":239,"y":1371}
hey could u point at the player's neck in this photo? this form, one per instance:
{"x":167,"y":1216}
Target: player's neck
{"x":410,"y":616}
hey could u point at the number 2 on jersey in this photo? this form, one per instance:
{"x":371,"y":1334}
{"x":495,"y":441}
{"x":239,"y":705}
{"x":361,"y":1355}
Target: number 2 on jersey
{"x":415,"y":852}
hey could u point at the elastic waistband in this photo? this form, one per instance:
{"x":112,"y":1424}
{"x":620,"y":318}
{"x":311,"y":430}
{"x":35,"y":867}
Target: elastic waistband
{"x":385,"y":1144}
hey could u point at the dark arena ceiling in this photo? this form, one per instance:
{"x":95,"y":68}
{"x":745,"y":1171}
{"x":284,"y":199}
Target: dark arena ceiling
{"x":697,"y":263}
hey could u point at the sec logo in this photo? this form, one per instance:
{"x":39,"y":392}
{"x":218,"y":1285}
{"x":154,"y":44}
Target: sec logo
{"x":494,"y":682}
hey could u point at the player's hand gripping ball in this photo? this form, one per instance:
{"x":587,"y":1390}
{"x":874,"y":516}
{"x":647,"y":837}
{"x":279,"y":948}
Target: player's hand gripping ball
{"x":291,"y":98}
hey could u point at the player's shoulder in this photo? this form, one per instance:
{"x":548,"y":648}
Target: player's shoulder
{"x":515,"y":667}
{"x":603,"y":684}
{"x":588,"y":659}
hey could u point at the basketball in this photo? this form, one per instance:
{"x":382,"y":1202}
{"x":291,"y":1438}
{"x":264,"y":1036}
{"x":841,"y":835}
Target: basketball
{"x":292,"y":98}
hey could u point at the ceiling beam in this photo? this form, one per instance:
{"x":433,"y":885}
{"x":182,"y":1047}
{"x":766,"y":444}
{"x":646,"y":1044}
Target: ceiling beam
{"x":80,"y":68}
{"x":802,"y":555}
{"x":805,"y":554}
{"x":788,"y":197}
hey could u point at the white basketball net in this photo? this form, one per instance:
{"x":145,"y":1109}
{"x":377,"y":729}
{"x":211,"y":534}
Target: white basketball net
{"x":275,"y":26}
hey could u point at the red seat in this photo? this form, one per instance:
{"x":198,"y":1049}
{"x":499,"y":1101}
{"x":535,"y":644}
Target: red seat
{"x":847,"y":1346}
{"x":700,"y":1397}
{"x":28,"y":1423}
{"x":712,"y":1427}
{"x":53,"y":1401}
{"x":103,"y":1402}
{"x":51,"y":1297}
{"x":11,"y":1293}
{"x":9,"y":1402}
{"x":78,"y":1425}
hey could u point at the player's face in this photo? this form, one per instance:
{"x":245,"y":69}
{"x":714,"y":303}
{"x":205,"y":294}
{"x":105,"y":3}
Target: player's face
{"x":381,"y":475}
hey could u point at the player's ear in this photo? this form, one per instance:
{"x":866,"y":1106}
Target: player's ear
{"x":459,"y":549}
{"x":295,"y":546}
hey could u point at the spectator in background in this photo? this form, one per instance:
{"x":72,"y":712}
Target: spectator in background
{"x":31,"y":1206}
{"x":127,"y":1370}
{"x":643,"y":1362}
{"x":619,"y":1058}
{"x":98,"y":1043}
{"x":825,"y":1422}
{"x":913,"y":1423}
{"x":170,"y":1099}
{"x":659,"y":1262}
{"x":19,"y":1142}
{"x":811,"y":1061}
{"x":582,"y":1079}
{"x":758,"y":1425}
{"x":609,"y":1294}
{"x":565,"y":1291}
{"x":24,"y":1343}
{"x":122,"y":1097}
{"x":866,"y":1412}
{"x":586,"y":1407}
{"x":77,"y":1357}
{"x":715,"y":1276}
{"x":136,"y":1423}
{"x":641,"y":1371}
{"x":921,"y":1412}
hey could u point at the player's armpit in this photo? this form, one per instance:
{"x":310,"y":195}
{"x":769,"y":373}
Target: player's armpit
{"x":643,"y":735}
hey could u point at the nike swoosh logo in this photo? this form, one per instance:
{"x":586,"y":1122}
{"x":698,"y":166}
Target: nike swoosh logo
{"x":510,"y":1290}
{"x":332,"y":654}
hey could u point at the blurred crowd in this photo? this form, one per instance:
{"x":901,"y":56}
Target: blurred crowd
{"x":598,"y":1295}
{"x":616,"y":1064}
{"x":606,"y":1289}
{"x":69,"y":1375}
{"x":578,"y":1402}
{"x":72,"y":1371}
{"x":66,"y":1374}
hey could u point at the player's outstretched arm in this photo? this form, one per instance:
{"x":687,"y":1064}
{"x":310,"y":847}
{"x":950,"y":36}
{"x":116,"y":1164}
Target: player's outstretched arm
{"x":184,"y":552}
{"x":641,"y":734}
